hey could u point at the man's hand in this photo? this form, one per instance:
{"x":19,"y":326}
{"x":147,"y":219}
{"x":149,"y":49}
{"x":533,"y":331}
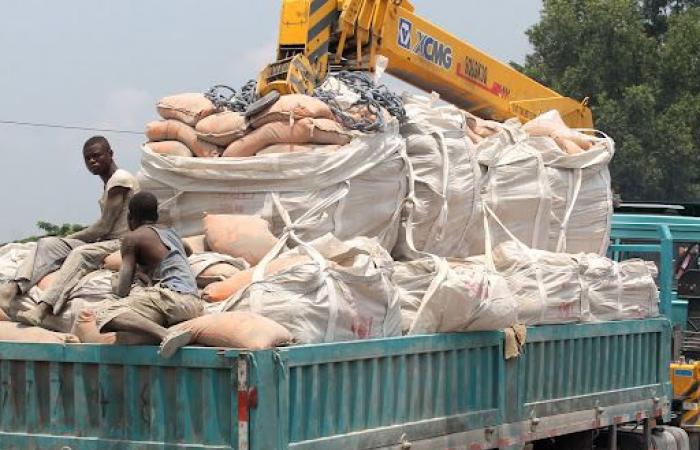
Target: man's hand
{"x":128,"y":270}
{"x":116,"y":199}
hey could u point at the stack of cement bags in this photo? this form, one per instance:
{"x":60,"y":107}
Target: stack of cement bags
{"x":194,"y":126}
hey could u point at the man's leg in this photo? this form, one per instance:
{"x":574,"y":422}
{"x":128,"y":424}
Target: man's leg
{"x":170,"y":341}
{"x":80,"y":262}
{"x":47,"y":256}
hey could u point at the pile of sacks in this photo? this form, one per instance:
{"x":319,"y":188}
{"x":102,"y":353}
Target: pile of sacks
{"x":311,"y":233}
{"x":193,"y":126}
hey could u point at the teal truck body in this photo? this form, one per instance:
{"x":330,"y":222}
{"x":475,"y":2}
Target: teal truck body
{"x":422,"y":392}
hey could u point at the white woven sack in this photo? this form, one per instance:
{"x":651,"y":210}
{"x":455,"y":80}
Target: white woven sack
{"x":370,"y":172}
{"x":443,"y":176}
{"x":619,"y":290}
{"x":322,"y":301}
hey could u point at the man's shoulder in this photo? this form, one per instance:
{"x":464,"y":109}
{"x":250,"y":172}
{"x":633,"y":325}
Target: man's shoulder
{"x":122,"y":178}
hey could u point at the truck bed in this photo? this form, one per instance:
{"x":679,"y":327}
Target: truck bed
{"x":437,"y":391}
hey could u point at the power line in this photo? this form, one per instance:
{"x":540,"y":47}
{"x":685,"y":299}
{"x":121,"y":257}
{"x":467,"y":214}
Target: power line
{"x":67,"y":127}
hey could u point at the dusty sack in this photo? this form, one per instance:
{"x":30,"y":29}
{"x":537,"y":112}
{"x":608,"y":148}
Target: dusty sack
{"x":237,"y":330}
{"x":304,"y":131}
{"x":170,"y":148}
{"x":454,"y":296}
{"x":11,"y":331}
{"x":224,"y":289}
{"x":293,"y":107}
{"x":323,"y":301}
{"x":188,"y":108}
{"x":619,"y":290}
{"x":213,"y":267}
{"x":240,"y":236}
{"x":222,"y":128}
{"x":355,"y":191}
{"x":548,"y":199}
{"x":295,"y":148}
{"x":169,"y":130}
{"x":441,"y":207}
{"x":546,"y":285}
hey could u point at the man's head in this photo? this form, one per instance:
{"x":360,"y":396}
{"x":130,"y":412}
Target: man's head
{"x":143,"y":209}
{"x":98,"y":156}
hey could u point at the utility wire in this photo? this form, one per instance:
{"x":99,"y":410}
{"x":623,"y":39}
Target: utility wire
{"x":66,"y":127}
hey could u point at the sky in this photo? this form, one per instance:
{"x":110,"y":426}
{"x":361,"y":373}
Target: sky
{"x":104,"y":64}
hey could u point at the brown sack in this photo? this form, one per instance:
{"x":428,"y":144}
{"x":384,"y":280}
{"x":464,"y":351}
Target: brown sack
{"x":294,"y":148}
{"x":237,"y":330}
{"x":222,"y":128}
{"x":187,"y":108}
{"x":170,"y":148}
{"x":197,"y":243}
{"x":218,"y":292}
{"x":304,"y":131}
{"x":240,"y":236}
{"x":12,"y":331}
{"x":113,"y":262}
{"x":216,"y":274}
{"x":169,"y":130}
{"x":298,"y":106}
{"x":46,"y":282}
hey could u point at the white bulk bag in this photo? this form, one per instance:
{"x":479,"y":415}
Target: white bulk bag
{"x":441,"y":296}
{"x":619,"y":290}
{"x":443,"y":175}
{"x":324,"y":301}
{"x":548,"y":199}
{"x":369,"y":174}
{"x":11,"y":257}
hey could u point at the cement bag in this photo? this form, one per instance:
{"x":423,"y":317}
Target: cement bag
{"x":222,"y":128}
{"x":304,"y":131}
{"x":322,"y":301}
{"x":240,"y":236}
{"x":15,"y":332}
{"x":198,"y":243}
{"x":170,"y":148}
{"x":293,"y":107}
{"x":187,"y":108}
{"x":237,"y":330}
{"x":442,"y":203}
{"x":546,"y":285}
{"x":225,"y":289}
{"x":213,"y":267}
{"x":460,"y":297}
{"x":365,"y":181}
{"x":11,"y":257}
{"x":172,"y":130}
{"x":619,"y":290}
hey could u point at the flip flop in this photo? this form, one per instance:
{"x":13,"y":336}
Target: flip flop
{"x":173,"y":341}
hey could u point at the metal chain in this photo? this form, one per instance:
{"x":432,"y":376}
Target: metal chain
{"x":226,"y":97}
{"x":372,"y":97}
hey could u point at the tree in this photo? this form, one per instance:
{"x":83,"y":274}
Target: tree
{"x":51,"y":229}
{"x":638,"y":61}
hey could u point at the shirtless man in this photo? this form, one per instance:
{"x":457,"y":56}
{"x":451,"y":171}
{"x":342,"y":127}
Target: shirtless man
{"x":160,"y":254}
{"x":81,"y":252}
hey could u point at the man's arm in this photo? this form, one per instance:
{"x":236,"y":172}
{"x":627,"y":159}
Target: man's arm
{"x":128,"y":269}
{"x":116,"y":197}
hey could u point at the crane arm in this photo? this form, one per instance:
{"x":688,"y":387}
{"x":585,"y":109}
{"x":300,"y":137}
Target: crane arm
{"x":321,"y":35}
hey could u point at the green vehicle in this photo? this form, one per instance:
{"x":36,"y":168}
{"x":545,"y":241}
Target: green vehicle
{"x":574,"y":382}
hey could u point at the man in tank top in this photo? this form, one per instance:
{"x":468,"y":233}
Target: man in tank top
{"x":82,"y":252}
{"x":160,"y":254}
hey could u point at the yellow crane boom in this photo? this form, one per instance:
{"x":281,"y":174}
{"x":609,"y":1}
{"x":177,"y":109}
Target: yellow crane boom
{"x":317,"y":36}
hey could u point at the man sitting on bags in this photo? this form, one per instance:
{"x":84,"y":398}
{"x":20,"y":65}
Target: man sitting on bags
{"x":81,"y":252}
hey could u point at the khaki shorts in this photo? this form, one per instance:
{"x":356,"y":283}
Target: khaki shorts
{"x":157,"y":304}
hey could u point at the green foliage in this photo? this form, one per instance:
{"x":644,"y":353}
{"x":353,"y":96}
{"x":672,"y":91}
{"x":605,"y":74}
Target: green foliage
{"x":51,"y":229}
{"x":638,"y":61}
